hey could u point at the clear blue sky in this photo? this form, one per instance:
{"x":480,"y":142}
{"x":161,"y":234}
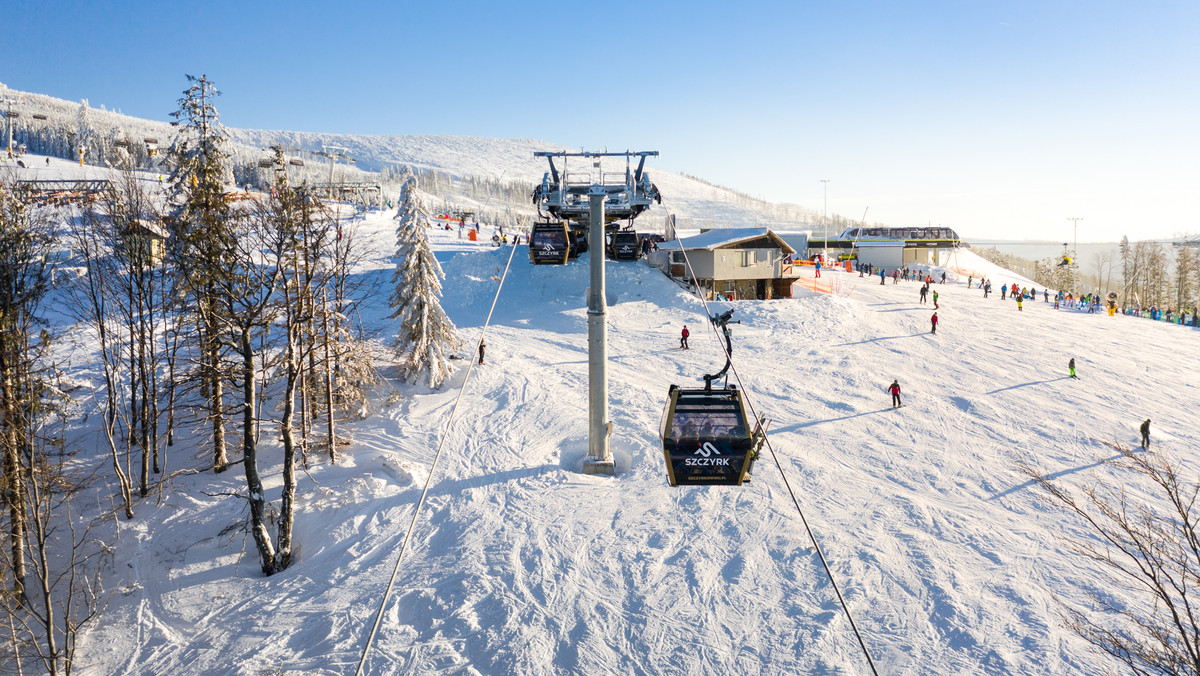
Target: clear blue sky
{"x":997,"y":118}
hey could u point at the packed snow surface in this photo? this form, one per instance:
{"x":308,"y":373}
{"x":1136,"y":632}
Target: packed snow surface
{"x":521,"y":564}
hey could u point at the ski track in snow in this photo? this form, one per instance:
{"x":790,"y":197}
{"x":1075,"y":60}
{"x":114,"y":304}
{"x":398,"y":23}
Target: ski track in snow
{"x":521,"y":564}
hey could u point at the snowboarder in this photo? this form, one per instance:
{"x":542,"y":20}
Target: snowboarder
{"x":1146,"y":434}
{"x":1071,"y":367}
{"x":683,"y":338}
{"x":481,"y":346}
{"x":933,"y":323}
{"x":1018,"y":303}
{"x":895,"y":390}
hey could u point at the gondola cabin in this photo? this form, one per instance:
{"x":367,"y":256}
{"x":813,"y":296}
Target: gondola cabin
{"x":706,"y":437}
{"x":623,"y":245}
{"x":550,"y":243}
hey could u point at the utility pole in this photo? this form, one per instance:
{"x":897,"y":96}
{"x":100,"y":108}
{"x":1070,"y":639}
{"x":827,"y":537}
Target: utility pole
{"x":825,"y":217}
{"x":334,"y":152}
{"x":9,"y":115}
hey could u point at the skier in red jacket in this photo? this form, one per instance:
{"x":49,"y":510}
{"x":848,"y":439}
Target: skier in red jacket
{"x":933,"y":323}
{"x":683,"y":338}
{"x":895,"y":390}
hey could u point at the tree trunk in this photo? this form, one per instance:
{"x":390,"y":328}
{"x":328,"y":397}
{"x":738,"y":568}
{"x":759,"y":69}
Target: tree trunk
{"x":287,"y":506}
{"x":258,"y":521}
{"x":329,"y":425}
{"x":216,"y":391}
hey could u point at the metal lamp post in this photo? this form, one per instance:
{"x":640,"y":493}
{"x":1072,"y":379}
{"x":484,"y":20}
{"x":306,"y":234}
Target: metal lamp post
{"x":825,"y":216}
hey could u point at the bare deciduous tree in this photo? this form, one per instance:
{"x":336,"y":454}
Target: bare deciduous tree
{"x":1150,"y":552}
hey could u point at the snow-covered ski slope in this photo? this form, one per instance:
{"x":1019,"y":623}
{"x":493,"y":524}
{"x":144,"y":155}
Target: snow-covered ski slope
{"x":522,"y":565}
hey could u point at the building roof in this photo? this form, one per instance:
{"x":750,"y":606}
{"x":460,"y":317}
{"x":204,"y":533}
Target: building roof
{"x":725,"y":238}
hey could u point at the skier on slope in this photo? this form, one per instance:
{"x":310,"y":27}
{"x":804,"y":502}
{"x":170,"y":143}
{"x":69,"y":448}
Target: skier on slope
{"x":481,"y":346}
{"x":924,"y":290}
{"x":935,"y":304}
{"x":683,"y":336}
{"x":894,"y":388}
{"x":1145,"y":428}
{"x":1071,"y":367}
{"x":933,"y":323}
{"x":1003,"y":291}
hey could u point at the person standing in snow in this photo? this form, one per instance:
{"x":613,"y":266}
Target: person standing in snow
{"x":683,"y":338}
{"x":882,"y":272}
{"x":987,"y":289}
{"x":895,"y":390}
{"x":924,"y":290}
{"x":481,"y":346}
{"x":1018,"y":303}
{"x":969,"y":278}
{"x":1146,"y":434}
{"x":935,"y":305}
{"x":943,"y":279}
{"x":1003,"y":291}
{"x":817,"y":265}
{"x":1071,"y":367}
{"x":933,"y":323}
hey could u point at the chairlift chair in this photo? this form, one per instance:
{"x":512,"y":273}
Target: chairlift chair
{"x":706,"y":432}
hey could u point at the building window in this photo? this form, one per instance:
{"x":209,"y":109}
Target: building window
{"x":749,"y":258}
{"x":677,"y":257}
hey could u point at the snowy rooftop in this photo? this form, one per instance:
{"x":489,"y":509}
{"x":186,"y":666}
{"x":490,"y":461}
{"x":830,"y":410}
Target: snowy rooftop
{"x":719,"y":237}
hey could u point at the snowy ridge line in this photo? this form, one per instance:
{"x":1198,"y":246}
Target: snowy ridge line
{"x":725,"y":349}
{"x":412,"y":525}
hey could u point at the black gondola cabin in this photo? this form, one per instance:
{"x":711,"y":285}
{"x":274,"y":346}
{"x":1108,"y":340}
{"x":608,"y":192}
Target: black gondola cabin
{"x":705,"y":436}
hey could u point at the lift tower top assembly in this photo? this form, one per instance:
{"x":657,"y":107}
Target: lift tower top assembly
{"x":564,"y":194}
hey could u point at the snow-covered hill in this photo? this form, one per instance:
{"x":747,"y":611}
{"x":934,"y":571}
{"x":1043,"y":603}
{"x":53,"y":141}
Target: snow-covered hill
{"x":523,"y":565}
{"x":692,"y":201}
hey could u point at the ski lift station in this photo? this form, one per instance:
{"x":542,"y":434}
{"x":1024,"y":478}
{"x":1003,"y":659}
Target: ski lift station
{"x":890,"y":248}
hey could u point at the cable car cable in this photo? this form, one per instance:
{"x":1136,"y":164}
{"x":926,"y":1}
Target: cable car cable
{"x":429,"y":479}
{"x":795,"y":501}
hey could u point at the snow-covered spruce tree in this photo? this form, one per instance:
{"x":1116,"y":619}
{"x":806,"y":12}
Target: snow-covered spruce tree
{"x":426,"y":334}
{"x":201,"y":238}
